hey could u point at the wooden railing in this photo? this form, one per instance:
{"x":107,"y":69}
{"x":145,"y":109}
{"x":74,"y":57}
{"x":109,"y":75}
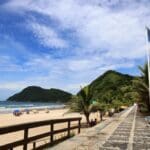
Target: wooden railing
{"x":28,"y":140}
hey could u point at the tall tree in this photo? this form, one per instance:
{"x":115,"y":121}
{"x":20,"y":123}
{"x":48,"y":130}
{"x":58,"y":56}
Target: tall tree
{"x":117,"y":104}
{"x":100,"y":107}
{"x":142,"y":85}
{"x":82,"y":103}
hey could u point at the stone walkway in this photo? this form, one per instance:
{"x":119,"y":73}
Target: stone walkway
{"x":142,"y":134}
{"x":122,"y":137}
{"x":125,"y":132}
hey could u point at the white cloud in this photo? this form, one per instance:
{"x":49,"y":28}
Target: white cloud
{"x":97,"y":27}
{"x":7,"y":65}
{"x":47,"y":36}
{"x":66,"y":74}
{"x":108,"y":35}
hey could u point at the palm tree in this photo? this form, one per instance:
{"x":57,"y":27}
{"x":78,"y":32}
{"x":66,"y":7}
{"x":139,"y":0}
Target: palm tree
{"x":142,"y":85}
{"x":100,"y":107}
{"x":117,"y":104}
{"x":82,"y":103}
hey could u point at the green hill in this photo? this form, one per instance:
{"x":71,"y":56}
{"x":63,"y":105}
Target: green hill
{"x":113,"y":86}
{"x":108,"y":87}
{"x":38,"y":94}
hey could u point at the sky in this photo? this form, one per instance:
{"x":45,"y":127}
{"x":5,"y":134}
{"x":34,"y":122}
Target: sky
{"x":66,"y":44}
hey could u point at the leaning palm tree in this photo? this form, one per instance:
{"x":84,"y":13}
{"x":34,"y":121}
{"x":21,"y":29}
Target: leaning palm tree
{"x":142,"y":86}
{"x":82,"y":103}
{"x":117,"y":104}
{"x":100,"y":107}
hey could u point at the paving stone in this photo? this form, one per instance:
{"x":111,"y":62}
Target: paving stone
{"x":120,"y":145}
{"x":125,"y":133}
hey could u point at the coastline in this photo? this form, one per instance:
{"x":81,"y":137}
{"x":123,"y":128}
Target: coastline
{"x":7,"y":107}
{"x":9,"y":119}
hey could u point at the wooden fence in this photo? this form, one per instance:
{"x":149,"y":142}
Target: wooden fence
{"x":28,"y":140}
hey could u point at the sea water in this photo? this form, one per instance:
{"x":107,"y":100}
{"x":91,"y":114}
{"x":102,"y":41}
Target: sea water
{"x":8,"y":107}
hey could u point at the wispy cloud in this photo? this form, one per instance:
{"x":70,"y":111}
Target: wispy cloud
{"x":103,"y":35}
{"x":47,"y":36}
{"x":96,"y":26}
{"x":7,"y":65}
{"x":64,"y":73}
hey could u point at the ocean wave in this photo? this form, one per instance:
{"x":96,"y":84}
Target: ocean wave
{"x":10,"y":107}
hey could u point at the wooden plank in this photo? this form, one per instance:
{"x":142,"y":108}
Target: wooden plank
{"x":18,"y":127}
{"x":68,"y":128}
{"x":79,"y":126}
{"x":26,"y":127}
{"x":11,"y":145}
{"x":25,"y":146}
{"x":31,"y":139}
{"x":52,"y":130}
{"x":34,"y":145}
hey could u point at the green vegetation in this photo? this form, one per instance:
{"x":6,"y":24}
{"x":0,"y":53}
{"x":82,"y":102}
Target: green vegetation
{"x":38,"y":94}
{"x":82,"y":103}
{"x":111,"y":90}
{"x":113,"y":86}
{"x":100,"y":107}
{"x":142,"y":87}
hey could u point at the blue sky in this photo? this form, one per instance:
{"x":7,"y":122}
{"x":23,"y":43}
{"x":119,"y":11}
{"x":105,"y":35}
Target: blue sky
{"x":67,"y":43}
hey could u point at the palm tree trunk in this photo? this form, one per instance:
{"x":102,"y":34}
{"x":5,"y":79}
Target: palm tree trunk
{"x":101,"y":115}
{"x":148,"y":105}
{"x":87,"y":118}
{"x":149,"y":108}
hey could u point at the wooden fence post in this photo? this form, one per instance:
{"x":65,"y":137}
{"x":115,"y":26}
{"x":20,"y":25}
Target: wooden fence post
{"x":79,"y":125}
{"x":33,"y":139}
{"x":34,"y":145}
{"x":52,"y":129}
{"x":68,"y":128}
{"x":25,"y":139}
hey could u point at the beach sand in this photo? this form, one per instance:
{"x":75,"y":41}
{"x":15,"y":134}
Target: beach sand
{"x":10,"y":119}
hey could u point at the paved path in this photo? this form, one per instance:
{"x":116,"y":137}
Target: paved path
{"x":116,"y":133}
{"x":125,"y":132}
{"x":123,"y":137}
{"x":131,"y":134}
{"x":141,"y":134}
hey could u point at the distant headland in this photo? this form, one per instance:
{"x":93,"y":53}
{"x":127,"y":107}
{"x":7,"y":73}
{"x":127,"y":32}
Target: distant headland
{"x":106,"y":87}
{"x":38,"y":94}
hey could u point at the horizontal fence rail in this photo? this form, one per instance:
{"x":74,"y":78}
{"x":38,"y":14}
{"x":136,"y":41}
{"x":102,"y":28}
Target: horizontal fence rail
{"x":27,"y":140}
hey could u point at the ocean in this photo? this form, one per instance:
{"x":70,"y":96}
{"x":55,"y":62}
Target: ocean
{"x":9,"y":107}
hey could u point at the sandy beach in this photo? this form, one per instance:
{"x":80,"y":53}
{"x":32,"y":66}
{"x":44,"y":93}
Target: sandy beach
{"x":10,"y":119}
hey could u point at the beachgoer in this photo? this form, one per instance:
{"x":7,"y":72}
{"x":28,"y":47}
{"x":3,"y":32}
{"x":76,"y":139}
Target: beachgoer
{"x":92,"y":123}
{"x":95,"y":121}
